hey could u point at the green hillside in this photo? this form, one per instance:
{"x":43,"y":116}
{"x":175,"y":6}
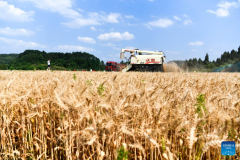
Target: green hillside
{"x":35,"y":59}
{"x":5,"y":59}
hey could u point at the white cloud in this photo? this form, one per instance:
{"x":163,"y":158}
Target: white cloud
{"x":67,"y":48}
{"x":194,"y":50}
{"x":80,"y":10}
{"x":93,"y":28}
{"x":129,"y":16}
{"x":186,"y":16}
{"x":129,"y":24}
{"x":111,"y":18}
{"x":15,"y":32}
{"x":220,"y":12}
{"x":177,"y":18}
{"x":94,"y":18}
{"x":223,"y":10}
{"x":87,"y":40}
{"x":161,"y":23}
{"x":196,"y":43}
{"x":63,"y":7}
{"x":94,"y":15}
{"x":115,"y":36}
{"x":151,"y":0}
{"x":20,"y":43}
{"x":187,"y":22}
{"x":77,"y":23}
{"x":227,"y":5}
{"x":10,"y":13}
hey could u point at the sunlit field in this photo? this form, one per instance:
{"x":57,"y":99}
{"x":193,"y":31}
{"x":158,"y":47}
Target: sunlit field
{"x":100,"y":115}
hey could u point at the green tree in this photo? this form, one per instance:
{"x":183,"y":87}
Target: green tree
{"x":225,"y":57}
{"x":185,"y":64}
{"x":3,"y":67}
{"x":206,"y":60}
{"x":190,"y":63}
{"x":195,"y":62}
{"x":233,"y":55}
{"x":210,"y":65}
{"x":200,"y":62}
{"x":218,"y":62}
{"x":238,"y":52}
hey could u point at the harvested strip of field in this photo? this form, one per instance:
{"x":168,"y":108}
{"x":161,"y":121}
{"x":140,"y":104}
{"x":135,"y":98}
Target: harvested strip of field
{"x":91,"y":115}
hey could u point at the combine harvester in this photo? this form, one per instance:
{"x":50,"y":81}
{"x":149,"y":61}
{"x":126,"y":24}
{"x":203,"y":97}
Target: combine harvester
{"x":142,"y":61}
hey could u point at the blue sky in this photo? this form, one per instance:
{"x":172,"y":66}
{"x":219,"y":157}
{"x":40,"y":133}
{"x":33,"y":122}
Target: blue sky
{"x":182,"y":29}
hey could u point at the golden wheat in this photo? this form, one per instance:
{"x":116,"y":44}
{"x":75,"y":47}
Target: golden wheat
{"x":51,"y":115}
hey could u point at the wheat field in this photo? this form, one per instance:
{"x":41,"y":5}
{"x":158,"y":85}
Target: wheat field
{"x":91,"y":115}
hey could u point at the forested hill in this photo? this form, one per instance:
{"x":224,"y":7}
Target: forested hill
{"x":5,"y":59}
{"x":35,"y":59}
{"x":226,"y":58}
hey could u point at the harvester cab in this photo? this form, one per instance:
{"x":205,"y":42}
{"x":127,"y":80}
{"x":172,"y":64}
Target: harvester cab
{"x":140,"y":60}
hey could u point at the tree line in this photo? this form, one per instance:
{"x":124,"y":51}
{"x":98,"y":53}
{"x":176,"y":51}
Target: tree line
{"x":35,"y":59}
{"x":226,"y":58}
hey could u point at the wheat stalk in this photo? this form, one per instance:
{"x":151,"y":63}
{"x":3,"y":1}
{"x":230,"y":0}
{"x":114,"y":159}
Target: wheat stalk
{"x":49,"y":114}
